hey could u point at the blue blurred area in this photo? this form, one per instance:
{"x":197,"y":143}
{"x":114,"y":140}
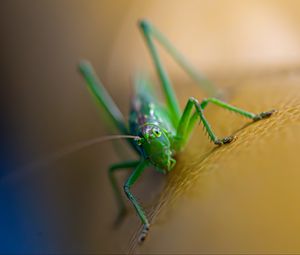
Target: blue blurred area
{"x":20,"y":230}
{"x":12,"y":232}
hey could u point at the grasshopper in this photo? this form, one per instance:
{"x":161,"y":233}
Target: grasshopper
{"x":156,"y":131}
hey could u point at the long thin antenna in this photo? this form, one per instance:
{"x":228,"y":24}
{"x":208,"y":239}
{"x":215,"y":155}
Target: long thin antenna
{"x":51,"y":158}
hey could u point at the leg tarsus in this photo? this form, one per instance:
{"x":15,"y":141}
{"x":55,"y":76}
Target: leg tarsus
{"x":225,"y":140}
{"x":263,"y":115}
{"x":144,"y":233}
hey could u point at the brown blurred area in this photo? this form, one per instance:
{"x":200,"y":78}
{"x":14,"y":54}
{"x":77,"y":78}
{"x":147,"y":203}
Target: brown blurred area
{"x":250,"y":46}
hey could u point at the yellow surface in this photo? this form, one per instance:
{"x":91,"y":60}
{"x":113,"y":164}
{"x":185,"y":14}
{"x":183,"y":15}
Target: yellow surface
{"x":241,"y":197}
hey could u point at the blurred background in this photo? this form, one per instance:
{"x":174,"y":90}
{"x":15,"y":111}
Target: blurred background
{"x":67,"y":206}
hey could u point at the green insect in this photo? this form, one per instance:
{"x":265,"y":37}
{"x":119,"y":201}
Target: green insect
{"x":160,"y":131}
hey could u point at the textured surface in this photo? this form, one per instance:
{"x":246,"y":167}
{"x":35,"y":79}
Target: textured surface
{"x":242,"y":197}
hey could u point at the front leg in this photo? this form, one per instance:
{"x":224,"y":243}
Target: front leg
{"x":117,"y":167}
{"x":187,"y":122}
{"x":130,"y":181}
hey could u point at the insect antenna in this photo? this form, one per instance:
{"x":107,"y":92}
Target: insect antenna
{"x":52,"y":157}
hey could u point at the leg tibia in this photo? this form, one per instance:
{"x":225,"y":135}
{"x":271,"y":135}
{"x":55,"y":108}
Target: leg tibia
{"x":130,"y":181}
{"x":205,"y":84}
{"x":113,"y":181}
{"x":187,"y":121}
{"x":232,"y":108}
{"x":189,"y":118}
{"x":169,"y":93}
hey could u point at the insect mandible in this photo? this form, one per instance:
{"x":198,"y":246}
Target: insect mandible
{"x":160,"y":131}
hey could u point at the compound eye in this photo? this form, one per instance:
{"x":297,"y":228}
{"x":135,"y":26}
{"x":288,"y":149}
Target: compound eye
{"x":156,"y":132}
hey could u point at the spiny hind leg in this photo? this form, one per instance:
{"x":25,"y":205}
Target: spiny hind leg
{"x":189,"y":119}
{"x":172,"y":103}
{"x":254,"y":117}
{"x":204,"y":83}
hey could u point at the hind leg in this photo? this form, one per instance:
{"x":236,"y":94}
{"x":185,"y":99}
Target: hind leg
{"x":232,"y":108}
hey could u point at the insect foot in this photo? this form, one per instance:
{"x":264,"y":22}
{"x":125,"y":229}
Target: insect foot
{"x":263,"y":115}
{"x":225,"y":140}
{"x":144,"y":234}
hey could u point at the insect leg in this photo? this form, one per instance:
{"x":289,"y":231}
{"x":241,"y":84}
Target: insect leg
{"x":118,"y":195}
{"x":171,"y":99}
{"x":181,"y":132}
{"x":232,"y":108}
{"x":102,"y":96}
{"x":187,"y":122}
{"x":206,"y":85}
{"x":130,"y":181}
